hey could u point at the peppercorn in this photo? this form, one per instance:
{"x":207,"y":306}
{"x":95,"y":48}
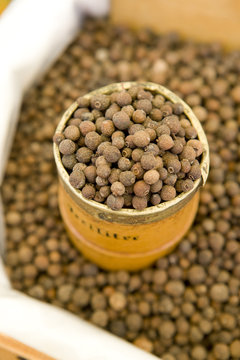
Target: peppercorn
{"x":83,"y":155}
{"x":58,"y":137}
{"x":101,"y":181}
{"x":177,"y":108}
{"x":105,"y":191}
{"x":165,"y":142}
{"x":117,"y":188}
{"x":72,"y":132}
{"x":166,"y":110}
{"x":156,"y":114}
{"x":86,"y":127}
{"x":92,"y":140}
{"x":148,"y":161}
{"x":69,"y":161}
{"x":155,"y":199}
{"x":188,"y":153}
{"x":170,"y":179}
{"x":173,"y":123}
{"x":139,"y":116}
{"x":113,"y":109}
{"x":195,"y":172}
{"x":144,"y":105}
{"x":114,"y":176}
{"x":143,"y":94}
{"x":115,"y":202}
{"x":152,"y":148}
{"x":126,"y":152}
{"x":67,"y":147}
{"x":100,"y":102}
{"x":87,"y":116}
{"x":141,"y":188}
{"x":139,"y":203}
{"x":121,"y":120}
{"x":129,"y":142}
{"x":151,"y":176}
{"x":107,"y":127}
{"x":78,"y":113}
{"x":134,"y":128}
{"x":156,"y":187}
{"x":197,"y":146}
{"x":137,"y":170}
{"x":102,"y":147}
{"x":103,"y":171}
{"x":124,"y":164}
{"x":141,"y":138}
{"x":83,"y":102}
{"x":98,"y":197}
{"x":190,"y":132}
{"x":77,"y":179}
{"x":127,"y":178}
{"x":111,"y":154}
{"x":128,"y":109}
{"x":167,"y":193}
{"x":88,"y":191}
{"x":177,"y":147}
{"x":79,"y":167}
{"x":123,"y":98}
{"x":90,"y":173}
{"x":163,"y":129}
{"x":173,"y":166}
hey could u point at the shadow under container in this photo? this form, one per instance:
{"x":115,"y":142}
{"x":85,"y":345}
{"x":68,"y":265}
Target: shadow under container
{"x":128,"y":239}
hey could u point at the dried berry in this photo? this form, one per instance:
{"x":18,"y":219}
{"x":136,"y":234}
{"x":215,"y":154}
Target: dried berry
{"x":167,"y":193}
{"x":139,"y":203}
{"x":84,"y":155}
{"x":111,"y":154}
{"x":103,"y":171}
{"x":123,"y":98}
{"x":144,"y":105}
{"x":124,"y":164}
{"x":100,"y":102}
{"x":117,"y":188}
{"x":141,"y":138}
{"x":139,"y":116}
{"x":86,"y":127}
{"x":69,"y":161}
{"x":127,"y":178}
{"x":121,"y":120}
{"x":67,"y":147}
{"x":77,"y":179}
{"x":165,"y":142}
{"x":148,"y":161}
{"x":72,"y":132}
{"x":141,"y":188}
{"x":107,"y":127}
{"x":115,"y":202}
{"x":151,"y":176}
{"x":88,"y":192}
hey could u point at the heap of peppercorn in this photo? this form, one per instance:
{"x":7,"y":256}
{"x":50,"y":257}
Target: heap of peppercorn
{"x":130,"y":149}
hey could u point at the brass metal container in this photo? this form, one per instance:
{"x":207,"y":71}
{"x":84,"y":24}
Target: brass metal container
{"x":128,"y":239}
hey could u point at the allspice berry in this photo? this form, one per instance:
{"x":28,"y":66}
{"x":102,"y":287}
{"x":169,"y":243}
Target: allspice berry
{"x":88,"y":191}
{"x":141,"y":138}
{"x":130,"y":149}
{"x":123,"y":98}
{"x":72,"y":132}
{"x":77,"y":179}
{"x":151,"y":176}
{"x":92,"y":140}
{"x":112,"y":154}
{"x":168,"y":193}
{"x":139,"y":203}
{"x":117,"y":188}
{"x":115,"y":202}
{"x":127,"y":178}
{"x":165,"y":142}
{"x":141,"y":188}
{"x":100,"y":102}
{"x":67,"y":147}
{"x":121,"y":120}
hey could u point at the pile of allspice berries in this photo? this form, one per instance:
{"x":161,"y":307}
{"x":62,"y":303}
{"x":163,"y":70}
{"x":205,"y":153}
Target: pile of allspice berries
{"x":130,"y":149}
{"x":186,"y":306}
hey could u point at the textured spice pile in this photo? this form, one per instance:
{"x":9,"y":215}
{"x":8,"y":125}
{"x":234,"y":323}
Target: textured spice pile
{"x":130,"y":149}
{"x":186,"y":306}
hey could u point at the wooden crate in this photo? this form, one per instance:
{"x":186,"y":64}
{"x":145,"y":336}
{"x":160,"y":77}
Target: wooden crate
{"x":201,"y":20}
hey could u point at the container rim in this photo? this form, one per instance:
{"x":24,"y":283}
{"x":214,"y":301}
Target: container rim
{"x":156,"y":212}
